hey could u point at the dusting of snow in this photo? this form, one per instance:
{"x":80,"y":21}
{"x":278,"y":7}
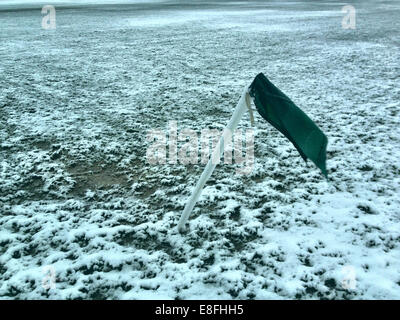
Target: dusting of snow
{"x":77,"y":194}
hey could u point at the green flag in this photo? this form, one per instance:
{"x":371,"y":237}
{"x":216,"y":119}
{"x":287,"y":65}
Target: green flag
{"x":275,"y":107}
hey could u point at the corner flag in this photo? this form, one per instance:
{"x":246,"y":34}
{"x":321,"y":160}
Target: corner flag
{"x":281,"y":112}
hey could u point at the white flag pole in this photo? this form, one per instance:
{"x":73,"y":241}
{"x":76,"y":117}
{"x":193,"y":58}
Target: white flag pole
{"x":215,"y":157}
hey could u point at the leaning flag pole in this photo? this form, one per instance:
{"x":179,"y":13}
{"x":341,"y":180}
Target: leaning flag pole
{"x":281,"y":112}
{"x":214,"y":159}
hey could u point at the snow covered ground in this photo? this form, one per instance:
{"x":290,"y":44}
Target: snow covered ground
{"x":78,"y":198}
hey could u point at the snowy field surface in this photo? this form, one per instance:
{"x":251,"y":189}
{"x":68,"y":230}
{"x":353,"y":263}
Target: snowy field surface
{"x":78,"y":197}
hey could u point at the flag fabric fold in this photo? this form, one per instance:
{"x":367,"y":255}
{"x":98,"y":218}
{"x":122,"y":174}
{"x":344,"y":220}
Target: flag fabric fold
{"x":282,"y":113}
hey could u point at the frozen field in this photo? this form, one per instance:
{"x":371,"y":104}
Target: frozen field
{"x":78,"y":196}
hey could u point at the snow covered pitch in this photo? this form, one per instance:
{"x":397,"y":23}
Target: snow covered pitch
{"x":84,"y":215}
